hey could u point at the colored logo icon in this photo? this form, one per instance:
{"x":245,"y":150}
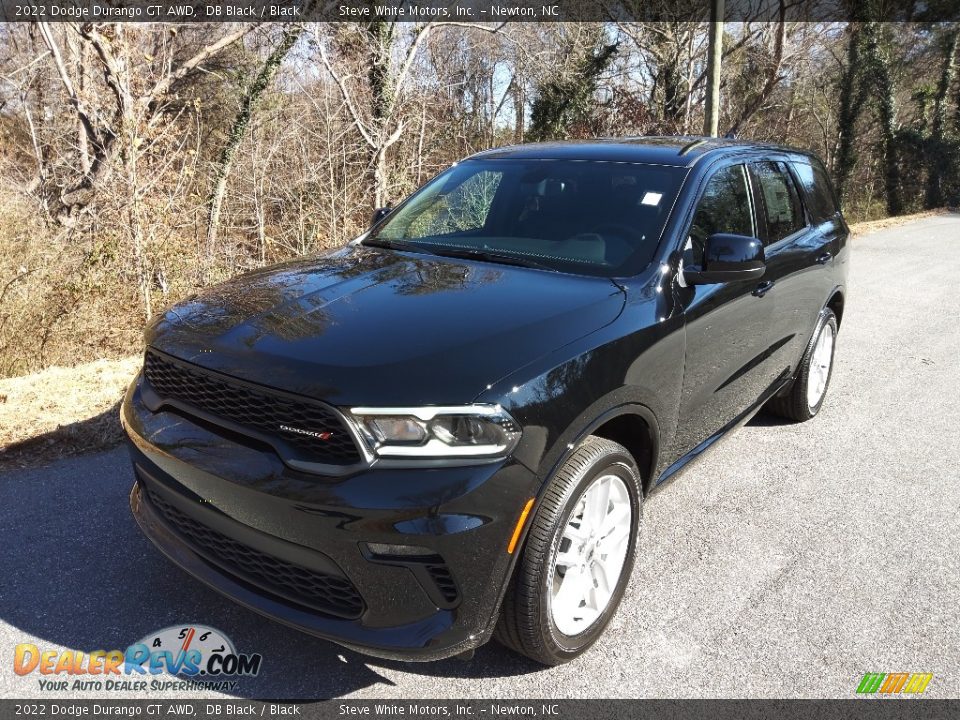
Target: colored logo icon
{"x":894,"y":683}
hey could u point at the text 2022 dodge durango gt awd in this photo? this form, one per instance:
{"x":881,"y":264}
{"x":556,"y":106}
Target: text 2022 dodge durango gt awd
{"x":444,"y":431}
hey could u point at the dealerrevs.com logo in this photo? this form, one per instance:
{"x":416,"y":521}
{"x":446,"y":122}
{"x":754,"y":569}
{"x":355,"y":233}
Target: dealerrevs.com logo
{"x":203,"y":657}
{"x":894,"y":683}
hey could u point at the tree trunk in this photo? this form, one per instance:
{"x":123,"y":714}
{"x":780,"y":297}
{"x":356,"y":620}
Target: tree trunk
{"x":520,"y":111}
{"x":851,"y":101}
{"x":674,"y":98}
{"x":711,"y":114}
{"x":878,"y":66}
{"x":378,"y":177}
{"x":947,"y":76}
{"x":956,"y":112}
{"x":134,"y":211}
{"x":239,"y":129}
{"x":938,"y":165}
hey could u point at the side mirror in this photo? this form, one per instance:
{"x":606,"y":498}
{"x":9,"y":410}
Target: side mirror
{"x":728,"y":258}
{"x":379,"y":214}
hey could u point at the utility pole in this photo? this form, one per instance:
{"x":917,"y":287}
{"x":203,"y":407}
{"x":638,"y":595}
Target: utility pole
{"x":711,"y":116}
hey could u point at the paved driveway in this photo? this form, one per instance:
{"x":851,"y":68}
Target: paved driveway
{"x":788,"y":562}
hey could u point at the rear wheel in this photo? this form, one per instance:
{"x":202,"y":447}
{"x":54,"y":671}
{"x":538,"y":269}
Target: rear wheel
{"x":805,"y":398}
{"x":577,"y":558}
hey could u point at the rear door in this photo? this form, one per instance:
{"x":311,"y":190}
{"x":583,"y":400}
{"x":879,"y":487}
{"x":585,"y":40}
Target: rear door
{"x":797,"y":253}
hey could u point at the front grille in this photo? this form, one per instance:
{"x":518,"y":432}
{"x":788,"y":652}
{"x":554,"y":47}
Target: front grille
{"x":255,"y":409}
{"x":326,"y":593}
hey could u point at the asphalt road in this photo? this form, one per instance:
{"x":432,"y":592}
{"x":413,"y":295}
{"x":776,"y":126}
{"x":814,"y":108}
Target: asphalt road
{"x":788,"y":562}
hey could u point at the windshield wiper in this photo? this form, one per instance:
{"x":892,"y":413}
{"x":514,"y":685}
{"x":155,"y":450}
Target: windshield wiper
{"x":394,"y":245}
{"x":466,"y":253}
{"x":503,"y":259}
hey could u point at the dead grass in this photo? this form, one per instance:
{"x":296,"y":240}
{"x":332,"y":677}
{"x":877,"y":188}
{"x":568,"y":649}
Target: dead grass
{"x":62,"y":411}
{"x":871,"y":226}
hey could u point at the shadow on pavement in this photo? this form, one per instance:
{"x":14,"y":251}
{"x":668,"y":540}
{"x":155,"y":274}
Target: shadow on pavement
{"x":77,"y":573}
{"x":768,"y":419}
{"x":100,"y":431}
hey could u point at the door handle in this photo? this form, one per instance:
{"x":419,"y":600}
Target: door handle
{"x":763,"y":288}
{"x":822,"y":259}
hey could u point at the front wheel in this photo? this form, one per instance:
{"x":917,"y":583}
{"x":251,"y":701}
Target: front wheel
{"x":806,"y":396}
{"x":577,"y":558}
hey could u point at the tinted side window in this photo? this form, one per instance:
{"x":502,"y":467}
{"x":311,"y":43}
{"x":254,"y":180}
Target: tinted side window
{"x":818,"y":190}
{"x":723,"y":208}
{"x":782,"y":208}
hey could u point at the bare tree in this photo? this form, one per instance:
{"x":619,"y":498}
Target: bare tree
{"x":251,"y":97}
{"x":773,"y":78}
{"x":379,"y":123}
{"x":140,"y":162}
{"x":132,"y":109}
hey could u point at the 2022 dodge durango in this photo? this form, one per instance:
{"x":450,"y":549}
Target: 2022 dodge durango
{"x":444,"y":432}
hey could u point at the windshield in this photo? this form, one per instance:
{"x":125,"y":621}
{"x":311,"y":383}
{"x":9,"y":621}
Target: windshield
{"x":596,"y":218}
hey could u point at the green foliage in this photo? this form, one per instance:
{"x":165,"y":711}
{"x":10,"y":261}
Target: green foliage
{"x":852,"y":96}
{"x":941,"y":167}
{"x":875,"y":73}
{"x":923,"y":159}
{"x":380,"y":34}
{"x":562,"y":102}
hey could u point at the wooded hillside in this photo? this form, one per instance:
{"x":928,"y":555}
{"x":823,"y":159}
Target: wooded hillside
{"x":140,"y":163}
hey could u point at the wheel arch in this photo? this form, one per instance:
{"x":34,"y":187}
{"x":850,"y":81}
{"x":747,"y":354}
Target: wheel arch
{"x":632,"y":425}
{"x":633,"y":431}
{"x":835,"y":303}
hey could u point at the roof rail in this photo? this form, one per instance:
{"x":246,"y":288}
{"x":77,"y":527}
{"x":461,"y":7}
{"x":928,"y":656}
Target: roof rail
{"x":690,"y":146}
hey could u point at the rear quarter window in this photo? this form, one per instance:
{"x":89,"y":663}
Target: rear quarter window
{"x":782,"y":210}
{"x":818,"y":190}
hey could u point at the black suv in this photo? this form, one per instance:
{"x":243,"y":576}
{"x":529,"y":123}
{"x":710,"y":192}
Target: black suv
{"x":444,"y":431}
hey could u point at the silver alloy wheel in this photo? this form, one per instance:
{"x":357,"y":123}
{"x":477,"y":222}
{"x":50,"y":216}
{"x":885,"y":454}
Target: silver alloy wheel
{"x":590,"y":556}
{"x":820,"y":362}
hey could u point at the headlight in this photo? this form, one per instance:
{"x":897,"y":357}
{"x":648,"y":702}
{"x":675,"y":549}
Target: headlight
{"x":475,"y":431}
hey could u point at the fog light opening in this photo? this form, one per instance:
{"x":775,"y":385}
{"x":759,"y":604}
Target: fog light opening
{"x":390,"y":550}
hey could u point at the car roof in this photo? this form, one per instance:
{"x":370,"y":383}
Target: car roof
{"x":679,"y":151}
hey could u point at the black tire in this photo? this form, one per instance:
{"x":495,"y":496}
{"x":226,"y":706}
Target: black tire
{"x":794,"y":405}
{"x":526,"y":624}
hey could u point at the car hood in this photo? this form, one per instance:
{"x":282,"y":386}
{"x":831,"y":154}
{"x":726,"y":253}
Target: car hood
{"x":365,"y":326}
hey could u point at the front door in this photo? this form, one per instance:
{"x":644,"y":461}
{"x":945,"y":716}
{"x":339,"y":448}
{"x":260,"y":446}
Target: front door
{"x":726,"y":365}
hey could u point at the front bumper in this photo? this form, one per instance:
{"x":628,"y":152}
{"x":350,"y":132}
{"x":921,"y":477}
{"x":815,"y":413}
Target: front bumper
{"x":275,"y":540}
